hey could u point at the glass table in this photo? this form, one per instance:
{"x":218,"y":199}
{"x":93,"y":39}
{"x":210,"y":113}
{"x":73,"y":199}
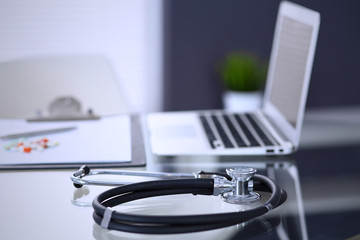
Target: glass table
{"x":322,"y":182}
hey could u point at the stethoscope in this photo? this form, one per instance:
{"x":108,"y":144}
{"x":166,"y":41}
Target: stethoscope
{"x":238,"y":186}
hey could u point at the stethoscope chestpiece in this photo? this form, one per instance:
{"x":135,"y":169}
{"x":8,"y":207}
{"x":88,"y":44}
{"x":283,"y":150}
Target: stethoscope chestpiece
{"x":242,"y":193}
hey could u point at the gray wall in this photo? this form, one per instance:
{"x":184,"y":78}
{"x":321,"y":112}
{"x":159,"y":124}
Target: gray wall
{"x":198,"y":34}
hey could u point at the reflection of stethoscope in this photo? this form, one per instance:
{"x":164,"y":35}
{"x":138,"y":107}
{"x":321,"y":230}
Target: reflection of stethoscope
{"x":238,"y":190}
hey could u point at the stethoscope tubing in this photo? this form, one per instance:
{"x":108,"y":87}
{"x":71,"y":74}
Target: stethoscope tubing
{"x":177,"y":224}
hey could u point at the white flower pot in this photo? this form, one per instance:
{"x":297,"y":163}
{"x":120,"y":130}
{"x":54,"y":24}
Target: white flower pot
{"x":242,"y":101}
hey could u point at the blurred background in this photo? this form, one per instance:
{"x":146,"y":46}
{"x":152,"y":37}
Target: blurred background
{"x":46,"y":47}
{"x":198,"y":34}
{"x":165,"y":52}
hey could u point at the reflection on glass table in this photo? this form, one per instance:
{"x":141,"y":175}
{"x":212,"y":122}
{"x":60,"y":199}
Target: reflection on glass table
{"x":286,"y":222}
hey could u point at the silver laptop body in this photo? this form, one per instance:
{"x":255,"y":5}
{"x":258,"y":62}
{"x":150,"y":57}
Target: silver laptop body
{"x":273,"y":129}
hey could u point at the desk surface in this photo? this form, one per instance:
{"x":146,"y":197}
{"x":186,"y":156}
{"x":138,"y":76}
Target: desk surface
{"x":322,"y":183}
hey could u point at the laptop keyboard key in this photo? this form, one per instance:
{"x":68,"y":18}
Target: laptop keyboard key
{"x":258,"y":130}
{"x":209,"y":133}
{"x":238,"y":139}
{"x":225,"y":139}
{"x":253,"y":142}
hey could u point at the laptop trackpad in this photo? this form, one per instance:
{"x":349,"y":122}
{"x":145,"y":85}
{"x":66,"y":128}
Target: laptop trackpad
{"x":175,"y":131}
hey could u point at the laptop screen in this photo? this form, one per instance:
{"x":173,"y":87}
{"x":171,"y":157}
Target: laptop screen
{"x":290,"y":67}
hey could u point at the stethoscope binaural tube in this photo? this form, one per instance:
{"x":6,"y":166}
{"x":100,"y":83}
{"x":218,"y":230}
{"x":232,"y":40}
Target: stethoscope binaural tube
{"x":108,"y":218}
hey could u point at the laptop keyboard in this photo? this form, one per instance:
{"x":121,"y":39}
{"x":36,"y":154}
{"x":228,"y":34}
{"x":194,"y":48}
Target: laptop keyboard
{"x":235,"y":130}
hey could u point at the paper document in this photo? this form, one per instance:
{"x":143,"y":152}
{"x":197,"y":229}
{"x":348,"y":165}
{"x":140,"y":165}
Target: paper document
{"x":107,"y":140}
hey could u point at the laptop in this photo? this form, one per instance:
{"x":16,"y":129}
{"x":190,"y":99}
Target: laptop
{"x":275,"y":128}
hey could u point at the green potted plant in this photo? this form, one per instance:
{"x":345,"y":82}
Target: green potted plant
{"x":243,"y":76}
